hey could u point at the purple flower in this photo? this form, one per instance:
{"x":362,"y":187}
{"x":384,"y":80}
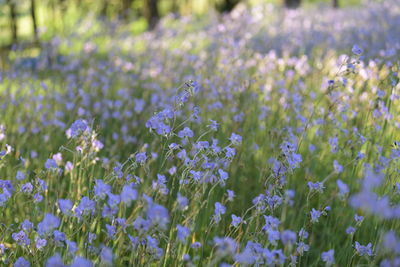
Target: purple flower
{"x":186,"y":132}
{"x":301,"y":248}
{"x":223,"y":175}
{"x":183,"y":202}
{"x":236,"y":220}
{"x":318,"y":186}
{"x":26,"y":225}
{"x":55,"y":261}
{"x":158,"y":215}
{"x":195,"y":245}
{"x":72,"y":247}
{"x":182,"y":233}
{"x":21,"y":262}
{"x":81,"y":262}
{"x":315,"y":214}
{"x":343,"y":188}
{"x":77,"y":127}
{"x":358,"y":218}
{"x":86,"y":206}
{"x":59,"y":237}
{"x":40,"y":243}
{"x":328,"y":257}
{"x":141,"y":157}
{"x":21,"y":238}
{"x":20,"y":175}
{"x":219,"y":210}
{"x":111,"y":230}
{"x":213,"y":125}
{"x":27,"y":188}
{"x":231,"y":195}
{"x":288,"y":237}
{"x":338,"y":168}
{"x":106,"y":255}
{"x":65,"y":206}
{"x":363,"y":250}
{"x":350,"y":230}
{"x":37,"y":198}
{"x":101,"y":190}
{"x":51,"y":164}
{"x":235,"y":139}
{"x":141,"y":224}
{"x":48,"y":224}
{"x":357,"y":50}
{"x":128,"y":194}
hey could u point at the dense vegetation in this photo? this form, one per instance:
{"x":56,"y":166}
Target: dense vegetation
{"x":245,"y":140}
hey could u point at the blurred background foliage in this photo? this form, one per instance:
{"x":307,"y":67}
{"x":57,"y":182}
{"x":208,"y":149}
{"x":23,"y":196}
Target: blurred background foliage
{"x":35,"y":21}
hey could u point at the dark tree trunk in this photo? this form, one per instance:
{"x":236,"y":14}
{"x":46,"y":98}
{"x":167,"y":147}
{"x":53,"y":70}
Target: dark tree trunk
{"x":292,"y":3}
{"x":13,"y":20}
{"x":335,"y":3}
{"x":104,"y":9}
{"x":151,"y":13}
{"x":227,"y":5}
{"x":174,"y":7}
{"x":125,"y":10}
{"x":34,"y":21}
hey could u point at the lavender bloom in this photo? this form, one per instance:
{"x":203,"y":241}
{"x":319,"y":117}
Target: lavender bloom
{"x":343,"y":188}
{"x":338,"y":168}
{"x":318,"y":186}
{"x":358,"y":218}
{"x":315,"y":214}
{"x":86,"y":206}
{"x":111,"y":230}
{"x":65,"y":206}
{"x":81,"y":262}
{"x":196,"y":245}
{"x":231,"y":195}
{"x":48,"y":224}
{"x":328,"y":257}
{"x":141,"y":157}
{"x":219,"y":210}
{"x":78,"y":127}
{"x":182,"y":233}
{"x":301,"y":248}
{"x":40,"y":243}
{"x":128,"y":194}
{"x":186,"y":132}
{"x":55,"y":261}
{"x":141,"y":224}
{"x":183,"y":202}
{"x":20,"y":175}
{"x":350,"y":230}
{"x":303,"y":234}
{"x":59,"y":237}
{"x":213,"y":125}
{"x":26,"y":225}
{"x":101,"y":190}
{"x":106,"y":255}
{"x":363,"y":250}
{"x":225,"y":245}
{"x":21,"y":238}
{"x":72,"y":247}
{"x":21,"y":262}
{"x":235,"y":139}
{"x":27,"y":188}
{"x":51,"y":164}
{"x":288,"y":237}
{"x":158,"y":215}
{"x":236,"y":220}
{"x":357,"y":50}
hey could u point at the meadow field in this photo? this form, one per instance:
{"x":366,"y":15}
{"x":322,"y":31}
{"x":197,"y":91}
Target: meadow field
{"x":263,"y":137}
